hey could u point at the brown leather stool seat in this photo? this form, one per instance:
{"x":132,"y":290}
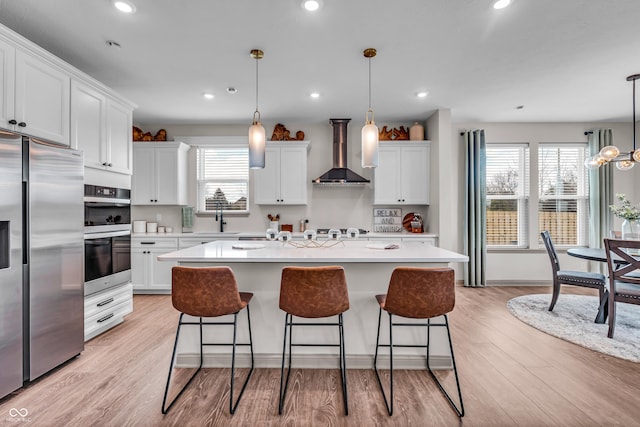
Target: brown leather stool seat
{"x":313,"y":292}
{"x":208,"y":292}
{"x":418,"y":293}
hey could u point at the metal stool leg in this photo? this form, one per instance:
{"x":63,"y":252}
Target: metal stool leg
{"x":459,"y":411}
{"x":288,"y":320}
{"x":165,"y":408}
{"x":232,"y":406}
{"x":388,"y":402}
{"x":343,"y":366}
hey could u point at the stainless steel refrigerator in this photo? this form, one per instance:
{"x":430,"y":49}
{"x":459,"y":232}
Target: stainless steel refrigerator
{"x":41,"y":250}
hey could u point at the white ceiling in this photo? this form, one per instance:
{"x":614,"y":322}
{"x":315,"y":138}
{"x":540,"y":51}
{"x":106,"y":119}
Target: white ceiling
{"x":563,"y":60}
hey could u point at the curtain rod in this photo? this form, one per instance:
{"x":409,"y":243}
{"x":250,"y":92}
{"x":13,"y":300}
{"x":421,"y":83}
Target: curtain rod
{"x":589,"y":132}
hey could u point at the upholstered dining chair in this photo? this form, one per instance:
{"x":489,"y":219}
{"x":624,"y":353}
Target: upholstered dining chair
{"x":575,"y":278}
{"x":208,"y":292}
{"x":418,"y":293}
{"x":624,"y":279}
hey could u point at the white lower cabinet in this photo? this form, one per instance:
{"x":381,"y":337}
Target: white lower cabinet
{"x":106,"y":309}
{"x":149,"y":275}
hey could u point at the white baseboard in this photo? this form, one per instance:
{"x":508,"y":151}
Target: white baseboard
{"x":311,"y":361}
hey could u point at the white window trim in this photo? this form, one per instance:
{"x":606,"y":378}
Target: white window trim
{"x":217,"y":142}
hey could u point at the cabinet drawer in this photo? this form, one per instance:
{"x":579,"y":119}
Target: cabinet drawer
{"x":106,"y":300}
{"x":102,"y":321}
{"x":424,"y":240}
{"x":153,"y":243}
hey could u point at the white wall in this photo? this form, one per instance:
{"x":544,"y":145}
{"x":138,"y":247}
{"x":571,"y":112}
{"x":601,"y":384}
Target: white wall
{"x":327,"y":207}
{"x":331,"y":206}
{"x":533,"y":265}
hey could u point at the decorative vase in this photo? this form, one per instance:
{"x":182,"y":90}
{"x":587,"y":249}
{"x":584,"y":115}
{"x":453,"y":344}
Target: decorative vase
{"x":631,"y":229}
{"x":416,"y":132}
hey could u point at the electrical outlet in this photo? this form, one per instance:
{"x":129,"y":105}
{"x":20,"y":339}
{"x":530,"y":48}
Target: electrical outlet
{"x":158,"y":217}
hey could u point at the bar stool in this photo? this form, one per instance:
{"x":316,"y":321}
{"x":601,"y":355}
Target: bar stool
{"x":418,"y":293}
{"x":313,"y":292}
{"x":208,"y":292}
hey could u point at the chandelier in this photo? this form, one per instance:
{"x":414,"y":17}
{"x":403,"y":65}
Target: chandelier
{"x":611,"y":153}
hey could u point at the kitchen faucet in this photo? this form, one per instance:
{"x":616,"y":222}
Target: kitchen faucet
{"x":221,"y":219}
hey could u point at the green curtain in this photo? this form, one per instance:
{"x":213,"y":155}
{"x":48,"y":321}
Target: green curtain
{"x":475,"y":207}
{"x":600,"y":190}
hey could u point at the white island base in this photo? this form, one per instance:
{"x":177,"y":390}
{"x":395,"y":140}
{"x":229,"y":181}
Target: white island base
{"x":367,"y":269}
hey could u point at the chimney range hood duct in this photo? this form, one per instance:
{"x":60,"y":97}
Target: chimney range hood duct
{"x":340,"y":175}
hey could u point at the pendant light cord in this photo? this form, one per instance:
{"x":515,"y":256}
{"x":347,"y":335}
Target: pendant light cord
{"x":370,"y":83}
{"x":634,"y":115}
{"x":257,"y":59}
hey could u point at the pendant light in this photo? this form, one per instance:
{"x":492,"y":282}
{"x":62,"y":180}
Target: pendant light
{"x":611,"y":153}
{"x":369,"y":130}
{"x":257,"y":138}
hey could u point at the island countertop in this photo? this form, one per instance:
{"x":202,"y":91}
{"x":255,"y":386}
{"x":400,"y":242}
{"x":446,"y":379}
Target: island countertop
{"x":342,"y":252}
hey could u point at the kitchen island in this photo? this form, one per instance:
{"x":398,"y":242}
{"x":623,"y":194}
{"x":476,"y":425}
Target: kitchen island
{"x":368,"y":266}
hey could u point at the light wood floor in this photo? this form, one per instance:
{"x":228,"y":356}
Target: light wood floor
{"x":511,"y":375}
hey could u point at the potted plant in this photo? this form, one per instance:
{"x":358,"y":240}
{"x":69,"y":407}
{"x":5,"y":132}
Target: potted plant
{"x":631,"y":216}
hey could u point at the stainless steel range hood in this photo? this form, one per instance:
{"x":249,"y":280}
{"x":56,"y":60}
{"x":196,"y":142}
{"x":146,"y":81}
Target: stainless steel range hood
{"x":340,"y":174}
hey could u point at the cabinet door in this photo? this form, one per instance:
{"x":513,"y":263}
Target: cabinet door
{"x":87,"y":124}
{"x":387,"y":177}
{"x":166,"y":176}
{"x":293,"y":175}
{"x":414,"y":175}
{"x":160,"y":271}
{"x":118,"y":134}
{"x":267,"y":180}
{"x":42,"y":98}
{"x":7,"y":84}
{"x":143,"y":179}
{"x":139,"y":268}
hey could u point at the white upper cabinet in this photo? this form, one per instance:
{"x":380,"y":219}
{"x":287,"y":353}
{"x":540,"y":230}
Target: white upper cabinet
{"x":159,"y":173}
{"x":402,"y":176}
{"x":101,"y":127}
{"x":7,"y":84}
{"x":42,"y":99}
{"x":283,"y":181}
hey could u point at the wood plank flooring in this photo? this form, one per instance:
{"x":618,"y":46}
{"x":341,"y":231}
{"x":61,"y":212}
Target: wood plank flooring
{"x":511,"y":375}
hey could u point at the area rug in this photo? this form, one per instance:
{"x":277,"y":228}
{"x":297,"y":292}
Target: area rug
{"x":572,"y":320}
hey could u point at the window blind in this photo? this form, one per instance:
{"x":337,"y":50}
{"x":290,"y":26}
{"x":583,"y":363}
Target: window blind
{"x":223,"y":178}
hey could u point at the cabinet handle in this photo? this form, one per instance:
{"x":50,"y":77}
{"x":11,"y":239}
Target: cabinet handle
{"x":13,"y":122}
{"x":104,"y":163}
{"x":109,"y":165}
{"x":105,"y":302}
{"x":22,"y":124}
{"x":147,"y":243}
{"x":105,"y":318}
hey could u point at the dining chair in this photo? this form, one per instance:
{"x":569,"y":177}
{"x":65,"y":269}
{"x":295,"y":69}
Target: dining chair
{"x":208,"y":292}
{"x":575,"y":278}
{"x":624,"y":279}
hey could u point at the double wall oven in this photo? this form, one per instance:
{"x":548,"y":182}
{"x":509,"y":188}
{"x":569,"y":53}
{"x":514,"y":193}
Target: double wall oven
{"x":107,"y":237}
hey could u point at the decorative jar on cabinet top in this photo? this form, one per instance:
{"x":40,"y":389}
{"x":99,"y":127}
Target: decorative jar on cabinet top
{"x":416,"y":132}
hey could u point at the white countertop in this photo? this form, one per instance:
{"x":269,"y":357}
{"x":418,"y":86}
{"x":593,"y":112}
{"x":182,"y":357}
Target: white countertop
{"x":346,"y":252}
{"x":259,"y":234}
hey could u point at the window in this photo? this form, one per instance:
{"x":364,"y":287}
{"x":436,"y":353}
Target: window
{"x":563,"y":204}
{"x":507,"y":195}
{"x":222,"y":178}
{"x":558,"y":200}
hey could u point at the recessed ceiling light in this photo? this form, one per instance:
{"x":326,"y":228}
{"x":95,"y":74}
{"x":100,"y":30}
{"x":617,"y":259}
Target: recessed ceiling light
{"x":501,"y":4}
{"x":311,"y":5}
{"x":232,"y":90}
{"x":422,"y":94}
{"x":124,"y":6}
{"x":208,"y":95}
{"x":314,"y":95}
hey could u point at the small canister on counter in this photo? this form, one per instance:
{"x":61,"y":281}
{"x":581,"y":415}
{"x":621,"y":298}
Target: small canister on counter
{"x":152,"y":227}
